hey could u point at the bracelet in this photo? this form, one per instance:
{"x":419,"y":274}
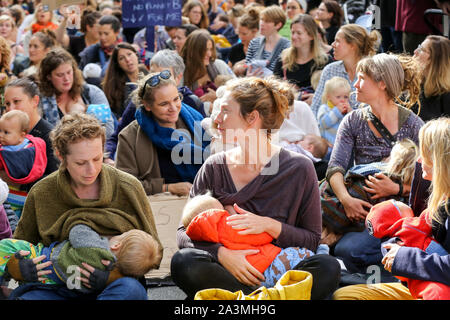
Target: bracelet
{"x":400,"y":191}
{"x":166,"y":189}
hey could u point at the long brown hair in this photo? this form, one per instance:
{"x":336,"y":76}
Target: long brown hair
{"x":53,"y":60}
{"x":193,"y":53}
{"x":115,"y":78}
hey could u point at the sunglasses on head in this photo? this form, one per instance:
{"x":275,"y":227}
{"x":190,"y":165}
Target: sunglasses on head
{"x":153,"y":81}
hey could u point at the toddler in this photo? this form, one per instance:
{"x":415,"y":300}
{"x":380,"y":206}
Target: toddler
{"x":335,"y":105}
{"x":13,"y":130}
{"x":205,"y":219}
{"x":134,"y":253}
{"x":23,"y":157}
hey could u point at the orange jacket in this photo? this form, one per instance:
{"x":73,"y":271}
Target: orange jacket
{"x":211,"y":225}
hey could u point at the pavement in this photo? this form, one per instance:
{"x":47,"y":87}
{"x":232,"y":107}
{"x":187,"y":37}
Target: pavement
{"x":166,"y":293}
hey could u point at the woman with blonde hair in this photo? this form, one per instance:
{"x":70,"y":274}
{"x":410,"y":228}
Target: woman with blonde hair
{"x":433,"y":54}
{"x":434,"y":159}
{"x":305,"y":55}
{"x":196,"y":12}
{"x":8,"y":30}
{"x":351,"y":44}
{"x":367,"y":135}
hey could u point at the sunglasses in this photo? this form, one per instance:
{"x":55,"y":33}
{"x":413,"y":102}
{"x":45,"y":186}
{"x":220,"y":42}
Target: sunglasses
{"x":156,"y":79}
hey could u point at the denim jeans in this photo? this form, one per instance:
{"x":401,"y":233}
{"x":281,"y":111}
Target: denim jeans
{"x":122,"y":289}
{"x":358,"y":250}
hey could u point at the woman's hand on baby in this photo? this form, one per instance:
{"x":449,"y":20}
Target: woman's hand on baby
{"x":22,"y":269}
{"x":252,"y":223}
{"x":94,"y":278}
{"x":236,"y":263}
{"x":355,"y":208}
{"x":381,"y":186}
{"x":249,"y":222}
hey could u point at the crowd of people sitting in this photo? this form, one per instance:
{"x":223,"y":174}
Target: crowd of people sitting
{"x":291,"y":122}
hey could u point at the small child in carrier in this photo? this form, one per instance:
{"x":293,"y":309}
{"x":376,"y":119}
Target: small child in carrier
{"x":23,"y":157}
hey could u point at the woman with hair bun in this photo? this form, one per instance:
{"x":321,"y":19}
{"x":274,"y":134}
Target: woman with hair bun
{"x":248,"y":25}
{"x":367,"y":135}
{"x":250,"y":179}
{"x":351,"y":44}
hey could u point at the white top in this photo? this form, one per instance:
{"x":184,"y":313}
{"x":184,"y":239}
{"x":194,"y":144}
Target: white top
{"x":300,"y":122}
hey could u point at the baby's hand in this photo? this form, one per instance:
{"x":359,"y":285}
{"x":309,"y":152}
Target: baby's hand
{"x":343,"y":107}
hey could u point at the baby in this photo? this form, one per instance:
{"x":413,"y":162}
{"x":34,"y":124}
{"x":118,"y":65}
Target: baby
{"x":335,"y":105}
{"x":395,"y":220}
{"x":399,"y":167}
{"x":205,"y":219}
{"x":312,"y":146}
{"x":13,"y":129}
{"x":133,"y":253}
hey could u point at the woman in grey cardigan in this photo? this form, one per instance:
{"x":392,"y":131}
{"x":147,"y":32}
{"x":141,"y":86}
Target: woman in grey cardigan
{"x":251,"y":179}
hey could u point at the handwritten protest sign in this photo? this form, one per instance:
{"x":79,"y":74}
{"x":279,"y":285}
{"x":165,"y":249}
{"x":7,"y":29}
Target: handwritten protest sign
{"x":144,"y":13}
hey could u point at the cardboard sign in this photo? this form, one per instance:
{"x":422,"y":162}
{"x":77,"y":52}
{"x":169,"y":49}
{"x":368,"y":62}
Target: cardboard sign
{"x":143,"y":13}
{"x":167,"y":211}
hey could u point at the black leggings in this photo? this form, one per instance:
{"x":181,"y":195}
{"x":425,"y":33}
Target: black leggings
{"x":193,"y":270}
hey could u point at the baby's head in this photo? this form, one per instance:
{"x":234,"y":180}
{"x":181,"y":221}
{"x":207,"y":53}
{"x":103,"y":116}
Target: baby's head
{"x":197,"y":205}
{"x":77,"y":108}
{"x":382,"y":217}
{"x":318,"y":146}
{"x":13,"y":127}
{"x":336,"y":90}
{"x":402,"y":160}
{"x":222,"y":79}
{"x":136,"y":251}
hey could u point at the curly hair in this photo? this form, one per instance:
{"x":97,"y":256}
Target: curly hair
{"x":53,"y":60}
{"x":74,"y":128}
{"x":5,"y":51}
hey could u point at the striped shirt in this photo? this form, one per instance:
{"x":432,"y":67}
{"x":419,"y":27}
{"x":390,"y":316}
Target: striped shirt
{"x":256,"y":51}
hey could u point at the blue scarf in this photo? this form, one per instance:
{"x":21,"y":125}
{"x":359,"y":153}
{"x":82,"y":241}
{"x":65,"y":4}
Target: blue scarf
{"x":187,"y":155}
